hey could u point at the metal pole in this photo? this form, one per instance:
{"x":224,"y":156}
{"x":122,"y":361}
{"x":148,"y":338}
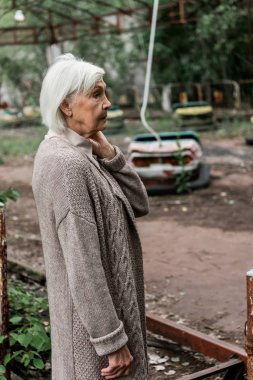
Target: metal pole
{"x":148,"y":71}
{"x":182,"y":12}
{"x":250,"y":33}
{"x":249,"y":325}
{"x":3,"y":289}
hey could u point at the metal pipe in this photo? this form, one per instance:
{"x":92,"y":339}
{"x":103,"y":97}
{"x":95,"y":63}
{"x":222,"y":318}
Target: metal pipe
{"x":249,"y":325}
{"x":148,"y":72}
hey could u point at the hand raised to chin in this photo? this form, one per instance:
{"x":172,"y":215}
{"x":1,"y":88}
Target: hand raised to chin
{"x":101,"y":146}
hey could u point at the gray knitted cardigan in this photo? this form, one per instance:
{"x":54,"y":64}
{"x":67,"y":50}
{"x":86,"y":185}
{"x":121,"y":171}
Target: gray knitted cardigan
{"x":87,"y":208}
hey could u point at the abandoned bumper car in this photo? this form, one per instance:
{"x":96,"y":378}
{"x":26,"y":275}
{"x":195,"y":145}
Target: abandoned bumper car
{"x":17,"y":117}
{"x":160,"y":163}
{"x":115,"y":117}
{"x":198,"y":114}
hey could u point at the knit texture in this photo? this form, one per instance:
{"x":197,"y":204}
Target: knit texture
{"x":93,"y":258}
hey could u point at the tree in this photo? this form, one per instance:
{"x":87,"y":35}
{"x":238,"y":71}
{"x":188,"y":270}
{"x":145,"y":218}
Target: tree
{"x":23,"y":69}
{"x":214,"y":47}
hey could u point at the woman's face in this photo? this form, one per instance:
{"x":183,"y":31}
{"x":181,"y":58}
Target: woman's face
{"x":89,"y":112}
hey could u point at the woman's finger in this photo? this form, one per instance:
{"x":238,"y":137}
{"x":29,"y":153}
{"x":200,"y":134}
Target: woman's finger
{"x":118,"y":374}
{"x":127,"y":372}
{"x":123,"y":371}
{"x":110,"y":370}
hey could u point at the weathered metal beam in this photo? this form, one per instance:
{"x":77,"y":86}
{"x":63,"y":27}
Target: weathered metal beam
{"x":3,"y":289}
{"x":97,"y":25}
{"x":200,"y":342}
{"x":249,"y":326}
{"x":236,"y":365}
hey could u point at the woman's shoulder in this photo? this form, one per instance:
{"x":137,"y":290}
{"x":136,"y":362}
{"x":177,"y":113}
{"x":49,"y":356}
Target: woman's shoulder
{"x":57,"y":159}
{"x":57,"y":151}
{"x":60,"y":168}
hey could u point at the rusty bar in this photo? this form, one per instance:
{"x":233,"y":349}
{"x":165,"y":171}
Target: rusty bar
{"x":97,"y":20}
{"x":200,"y":342}
{"x":231,"y":364}
{"x":250,"y":33}
{"x":119,"y":24}
{"x":249,"y":325}
{"x":33,"y":39}
{"x":3,"y":289}
{"x":182,"y":12}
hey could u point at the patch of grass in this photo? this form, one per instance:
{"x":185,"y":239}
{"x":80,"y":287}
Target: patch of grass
{"x":16,"y":143}
{"x":25,"y":140}
{"x":161,"y":124}
{"x":227,"y":128}
{"x":234,"y":128}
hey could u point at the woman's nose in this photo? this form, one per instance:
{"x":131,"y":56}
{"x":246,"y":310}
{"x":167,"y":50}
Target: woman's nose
{"x":107,"y":104}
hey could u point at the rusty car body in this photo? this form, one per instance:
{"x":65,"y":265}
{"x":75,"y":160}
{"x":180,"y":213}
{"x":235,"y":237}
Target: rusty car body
{"x":159,"y":163}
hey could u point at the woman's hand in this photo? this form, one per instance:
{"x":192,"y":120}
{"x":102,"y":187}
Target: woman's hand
{"x":101,"y":146}
{"x":119,"y":364}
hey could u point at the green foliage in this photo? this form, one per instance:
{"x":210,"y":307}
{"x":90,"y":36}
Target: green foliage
{"x":29,"y":335}
{"x":2,"y":372}
{"x":110,"y":52}
{"x":22,"y":68}
{"x":183,"y":178}
{"x":10,"y":193}
{"x":25,"y":303}
{"x":215,"y":47}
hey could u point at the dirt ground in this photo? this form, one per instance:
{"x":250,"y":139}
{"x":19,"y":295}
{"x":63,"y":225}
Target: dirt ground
{"x":197,"y":247}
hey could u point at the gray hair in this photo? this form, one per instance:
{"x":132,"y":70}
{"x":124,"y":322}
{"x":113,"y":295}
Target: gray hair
{"x":67,"y":77}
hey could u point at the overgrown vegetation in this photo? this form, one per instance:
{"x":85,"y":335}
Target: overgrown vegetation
{"x":22,"y":70}
{"x":30,"y":346}
{"x":10,"y":193}
{"x":182,"y":183}
{"x":29,"y":330}
{"x":215,"y":45}
{"x":29,"y":339}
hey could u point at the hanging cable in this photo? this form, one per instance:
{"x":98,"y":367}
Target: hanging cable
{"x":148,"y":72}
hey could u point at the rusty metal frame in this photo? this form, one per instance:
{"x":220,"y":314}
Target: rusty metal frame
{"x":249,"y":324}
{"x":4,"y":321}
{"x":202,"y":343}
{"x":71,"y":28}
{"x":95,"y":25}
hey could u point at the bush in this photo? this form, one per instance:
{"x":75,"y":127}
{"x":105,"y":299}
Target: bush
{"x":30,"y":345}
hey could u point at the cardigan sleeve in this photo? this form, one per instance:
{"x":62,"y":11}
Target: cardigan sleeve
{"x":88,"y":286}
{"x":129,"y":182}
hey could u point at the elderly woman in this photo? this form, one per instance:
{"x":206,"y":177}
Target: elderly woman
{"x":87,"y":198}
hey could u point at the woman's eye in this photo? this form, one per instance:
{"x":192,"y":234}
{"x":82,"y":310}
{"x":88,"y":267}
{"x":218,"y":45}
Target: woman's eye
{"x":96,"y":94}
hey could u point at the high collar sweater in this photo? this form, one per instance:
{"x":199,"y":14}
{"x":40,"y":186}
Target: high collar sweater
{"x":87,"y":208}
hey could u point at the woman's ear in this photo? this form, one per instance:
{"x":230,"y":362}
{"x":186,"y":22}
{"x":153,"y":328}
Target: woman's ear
{"x":65,"y":108}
